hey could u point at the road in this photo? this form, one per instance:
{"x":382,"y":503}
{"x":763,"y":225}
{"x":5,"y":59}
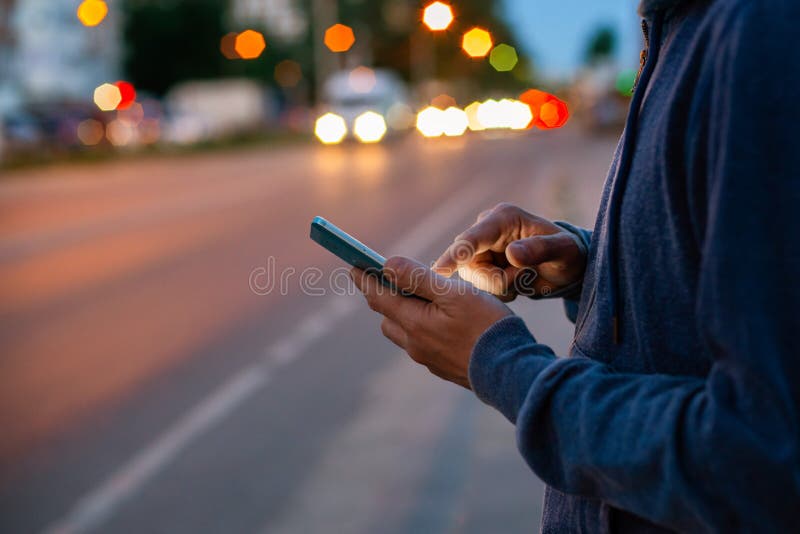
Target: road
{"x":171,"y":361}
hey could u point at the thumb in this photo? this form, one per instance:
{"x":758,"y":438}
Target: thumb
{"x":539,"y":249}
{"x":413,"y":277}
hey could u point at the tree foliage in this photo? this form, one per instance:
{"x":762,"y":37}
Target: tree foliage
{"x":602,"y":45}
{"x":169,"y":41}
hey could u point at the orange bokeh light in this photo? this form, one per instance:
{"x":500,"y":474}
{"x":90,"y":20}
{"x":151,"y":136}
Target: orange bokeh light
{"x":437,"y":16}
{"x":227,"y":45}
{"x":477,"y":42}
{"x":443,"y":101}
{"x":92,"y":12}
{"x":288,"y":73}
{"x":339,"y":38}
{"x":249,"y":44}
{"x":90,"y":132}
{"x":548,"y":111}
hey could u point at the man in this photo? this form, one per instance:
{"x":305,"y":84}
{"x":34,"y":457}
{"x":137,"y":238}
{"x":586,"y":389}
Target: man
{"x":678,"y":407}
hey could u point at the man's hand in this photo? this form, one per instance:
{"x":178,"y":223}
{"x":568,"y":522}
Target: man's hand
{"x":438,"y":332}
{"x":509,"y":251}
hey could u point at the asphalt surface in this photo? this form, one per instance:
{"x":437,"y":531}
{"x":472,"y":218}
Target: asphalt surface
{"x":169,"y":363}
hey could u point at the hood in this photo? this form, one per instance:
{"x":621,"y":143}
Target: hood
{"x":648,"y":8}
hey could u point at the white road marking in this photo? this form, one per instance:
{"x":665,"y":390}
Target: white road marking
{"x":99,"y":504}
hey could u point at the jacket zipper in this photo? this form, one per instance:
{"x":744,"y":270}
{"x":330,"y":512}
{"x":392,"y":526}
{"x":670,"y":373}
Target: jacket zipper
{"x":590,"y":302}
{"x":642,"y":54}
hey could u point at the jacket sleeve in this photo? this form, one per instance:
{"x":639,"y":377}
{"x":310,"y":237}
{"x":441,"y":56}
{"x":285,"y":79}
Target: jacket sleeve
{"x":718,"y":453}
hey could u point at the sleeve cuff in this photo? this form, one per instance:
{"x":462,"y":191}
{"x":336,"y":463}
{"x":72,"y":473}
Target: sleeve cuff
{"x":505,"y":361}
{"x":572,"y":291}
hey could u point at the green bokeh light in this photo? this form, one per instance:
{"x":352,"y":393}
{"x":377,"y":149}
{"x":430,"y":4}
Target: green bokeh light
{"x":503,"y":58}
{"x":625,"y":81}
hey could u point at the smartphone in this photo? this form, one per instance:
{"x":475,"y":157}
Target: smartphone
{"x":347,"y":247}
{"x":352,"y":251}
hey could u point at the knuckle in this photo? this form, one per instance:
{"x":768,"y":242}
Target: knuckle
{"x":506,"y":208}
{"x":482,"y":215}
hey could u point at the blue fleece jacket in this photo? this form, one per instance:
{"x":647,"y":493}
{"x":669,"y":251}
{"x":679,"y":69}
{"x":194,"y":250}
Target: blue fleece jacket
{"x":690,"y":420}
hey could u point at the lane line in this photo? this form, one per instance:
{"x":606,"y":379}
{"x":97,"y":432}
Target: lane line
{"x":100,"y":503}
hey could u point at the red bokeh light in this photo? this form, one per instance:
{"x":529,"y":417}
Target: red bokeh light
{"x":548,"y":111}
{"x":128,"y":93}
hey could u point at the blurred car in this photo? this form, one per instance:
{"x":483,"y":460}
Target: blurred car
{"x":371,"y":102}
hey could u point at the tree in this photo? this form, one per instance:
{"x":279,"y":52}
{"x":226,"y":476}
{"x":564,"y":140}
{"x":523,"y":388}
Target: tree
{"x":390,"y":40}
{"x":601,"y":46}
{"x":170,"y":41}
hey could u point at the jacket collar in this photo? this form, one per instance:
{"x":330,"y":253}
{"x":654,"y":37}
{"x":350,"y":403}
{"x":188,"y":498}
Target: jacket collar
{"x":648,"y":8}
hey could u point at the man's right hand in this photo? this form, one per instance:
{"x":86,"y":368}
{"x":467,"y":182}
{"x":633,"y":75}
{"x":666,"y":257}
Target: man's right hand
{"x":509,"y":251}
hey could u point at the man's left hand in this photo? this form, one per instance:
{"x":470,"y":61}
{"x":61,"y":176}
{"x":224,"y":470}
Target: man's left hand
{"x":439,"y":333}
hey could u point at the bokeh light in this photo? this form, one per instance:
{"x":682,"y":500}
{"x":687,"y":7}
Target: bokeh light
{"x":250,"y":44}
{"x":369,"y":127}
{"x":149,"y":131}
{"x":454,"y":122}
{"x":472,"y":117}
{"x":430,"y":122}
{"x":92,"y":12}
{"x":339,"y":38}
{"x":90,"y":132}
{"x":362,"y":80}
{"x":288,"y":73}
{"x":133,"y":114}
{"x":330,"y":129}
{"x":107,"y":97}
{"x":488,"y":114}
{"x":518,"y":114}
{"x":400,"y":116}
{"x":119,"y":133}
{"x":443,"y":101}
{"x":547,"y":111}
{"x":503,"y":58}
{"x":127,"y":94}
{"x":437,"y":16}
{"x":477,"y":42}
{"x":625,"y":81}
{"x":227,"y":45}
{"x":503,"y":114}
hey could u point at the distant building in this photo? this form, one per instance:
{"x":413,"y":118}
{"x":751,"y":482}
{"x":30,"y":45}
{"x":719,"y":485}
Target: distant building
{"x":46,"y":54}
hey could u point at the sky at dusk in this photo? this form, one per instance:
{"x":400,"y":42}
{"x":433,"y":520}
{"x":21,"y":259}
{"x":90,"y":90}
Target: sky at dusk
{"x":555,"y":32}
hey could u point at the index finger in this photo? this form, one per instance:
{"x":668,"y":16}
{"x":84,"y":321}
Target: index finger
{"x":487,"y":234}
